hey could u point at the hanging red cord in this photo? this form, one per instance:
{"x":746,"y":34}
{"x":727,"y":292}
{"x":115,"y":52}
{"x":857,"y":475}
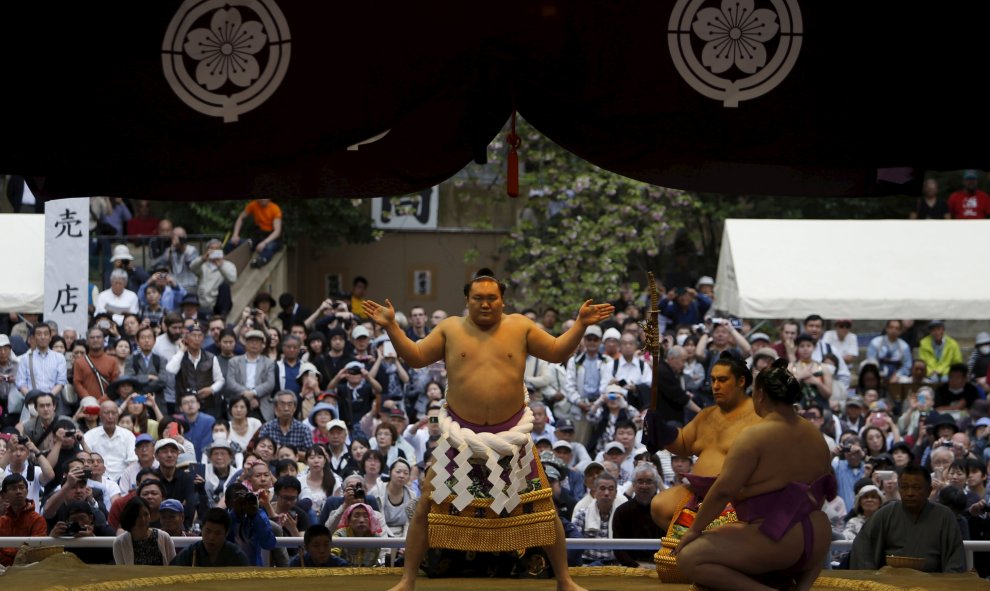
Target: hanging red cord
{"x":512,"y":174}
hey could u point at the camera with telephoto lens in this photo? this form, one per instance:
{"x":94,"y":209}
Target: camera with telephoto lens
{"x":359,"y":491}
{"x":845,"y":448}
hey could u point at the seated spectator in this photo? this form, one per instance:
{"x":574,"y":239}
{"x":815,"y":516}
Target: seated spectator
{"x":595,"y":520}
{"x":19,"y":519}
{"x":868,"y":502}
{"x":284,"y":428}
{"x":216,"y":275}
{"x":956,"y":394}
{"x":318,"y":481}
{"x":318,"y":543}
{"x":82,"y":521}
{"x":842,"y":341}
{"x":265,"y":237}
{"x":123,"y":259}
{"x":141,"y":544}
{"x":114,"y":444}
{"x":398,"y":498}
{"x":816,"y":383}
{"x":171,"y":515}
{"x":633,"y":520}
{"x":929,"y":206}
{"x":849,"y":466}
{"x":605,"y":415}
{"x":220,"y":470}
{"x":144,"y":223}
{"x":213,"y":549}
{"x":360,"y":521}
{"x":891,"y":352}
{"x":913,"y":526}
{"x":177,"y":483}
{"x":118,"y":299}
{"x":979,"y":360}
{"x":250,"y":528}
{"x":954,"y":499}
{"x":939,"y":351}
{"x":117,"y":507}
{"x":969,"y":202}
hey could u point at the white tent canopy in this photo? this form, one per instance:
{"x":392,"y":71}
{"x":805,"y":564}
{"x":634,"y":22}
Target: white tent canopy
{"x":22,"y":279}
{"x":864,"y":269}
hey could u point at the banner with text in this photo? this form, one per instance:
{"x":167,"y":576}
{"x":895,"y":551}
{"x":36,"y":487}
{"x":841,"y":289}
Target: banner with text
{"x":67,"y":262}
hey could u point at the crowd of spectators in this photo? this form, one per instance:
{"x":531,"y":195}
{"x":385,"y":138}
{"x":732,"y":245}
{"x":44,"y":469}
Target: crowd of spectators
{"x":160,"y":419}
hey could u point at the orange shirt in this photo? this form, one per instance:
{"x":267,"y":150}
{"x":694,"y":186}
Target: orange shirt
{"x":264,"y":217}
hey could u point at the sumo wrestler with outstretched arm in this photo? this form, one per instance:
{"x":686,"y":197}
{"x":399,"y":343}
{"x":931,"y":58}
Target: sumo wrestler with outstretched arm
{"x":485,"y":355}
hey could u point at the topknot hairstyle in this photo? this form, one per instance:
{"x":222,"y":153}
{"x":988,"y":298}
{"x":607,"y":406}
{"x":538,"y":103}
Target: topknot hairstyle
{"x":778,"y":383}
{"x":736,"y":366}
{"x":484,"y":274}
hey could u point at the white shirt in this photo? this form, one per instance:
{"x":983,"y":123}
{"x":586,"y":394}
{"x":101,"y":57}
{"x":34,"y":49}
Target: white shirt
{"x":631,"y":372}
{"x":117,"y":449}
{"x":126,"y":302}
{"x":243,"y":440}
{"x":844,"y":347}
{"x":165,"y":347}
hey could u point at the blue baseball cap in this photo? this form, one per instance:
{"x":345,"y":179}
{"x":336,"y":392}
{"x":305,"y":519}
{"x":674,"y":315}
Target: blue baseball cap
{"x":171,"y":505}
{"x":142,"y":438}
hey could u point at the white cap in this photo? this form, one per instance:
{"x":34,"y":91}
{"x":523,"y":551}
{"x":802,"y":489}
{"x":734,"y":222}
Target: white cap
{"x":706,"y":280}
{"x":167,"y":441}
{"x":4,"y":340}
{"x":337,"y":423}
{"x":616,"y":446}
{"x":305,"y":367}
{"x":594,"y":329}
{"x":565,"y":444}
{"x":615,"y":389}
{"x":612,"y":333}
{"x":121,"y":253}
{"x":360,"y":331}
{"x":758,"y":336}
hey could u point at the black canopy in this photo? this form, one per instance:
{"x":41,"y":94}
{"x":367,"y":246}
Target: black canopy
{"x":220,"y":99}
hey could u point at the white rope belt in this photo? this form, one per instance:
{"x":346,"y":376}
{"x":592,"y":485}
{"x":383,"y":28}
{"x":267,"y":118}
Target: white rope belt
{"x":515,"y":443}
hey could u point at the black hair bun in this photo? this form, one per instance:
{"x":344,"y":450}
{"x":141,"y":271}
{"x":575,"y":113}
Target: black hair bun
{"x":779,"y":384}
{"x":484,"y":272}
{"x":779,"y":362}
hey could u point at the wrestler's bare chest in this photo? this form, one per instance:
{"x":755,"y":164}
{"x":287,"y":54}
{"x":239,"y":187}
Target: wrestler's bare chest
{"x":485,"y":371}
{"x":716,"y":436}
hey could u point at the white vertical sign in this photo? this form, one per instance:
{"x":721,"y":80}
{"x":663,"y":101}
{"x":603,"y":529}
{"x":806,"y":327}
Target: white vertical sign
{"x":67,"y":262}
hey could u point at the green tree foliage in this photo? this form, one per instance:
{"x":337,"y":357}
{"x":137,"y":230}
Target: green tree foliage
{"x":326,"y":222}
{"x":583,"y":227}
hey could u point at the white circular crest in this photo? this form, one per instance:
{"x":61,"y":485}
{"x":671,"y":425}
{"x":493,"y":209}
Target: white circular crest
{"x":225,"y":57}
{"x":733,"y":37}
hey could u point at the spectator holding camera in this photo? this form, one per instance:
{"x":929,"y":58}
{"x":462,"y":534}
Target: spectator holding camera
{"x":19,"y":518}
{"x":849,"y":466}
{"x":686,"y":306}
{"x":168,"y":295}
{"x":214,"y":273}
{"x":250,"y":528}
{"x":23,"y":458}
{"x":178,"y":257}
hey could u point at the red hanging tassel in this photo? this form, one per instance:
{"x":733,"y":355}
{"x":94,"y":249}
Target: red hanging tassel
{"x":512,"y":174}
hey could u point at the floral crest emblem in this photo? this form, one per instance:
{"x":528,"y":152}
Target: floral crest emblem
{"x":226,"y":57}
{"x":745,"y":50}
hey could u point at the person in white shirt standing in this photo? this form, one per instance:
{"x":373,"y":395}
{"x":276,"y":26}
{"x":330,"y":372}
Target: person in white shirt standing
{"x":115,"y":445}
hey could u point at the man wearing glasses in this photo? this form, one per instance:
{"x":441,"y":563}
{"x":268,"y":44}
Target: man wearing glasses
{"x":284,"y":429}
